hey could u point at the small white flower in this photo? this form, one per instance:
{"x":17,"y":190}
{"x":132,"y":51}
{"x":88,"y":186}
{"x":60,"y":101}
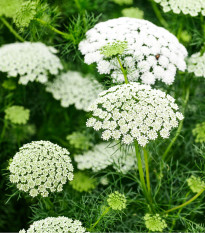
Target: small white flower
{"x":152,"y":52}
{"x":37,"y":168}
{"x":104,"y":155}
{"x":196,"y":64}
{"x":56,"y":224}
{"x":72,"y":88}
{"x":190,"y":7}
{"x":31,"y":61}
{"x":138,"y":113}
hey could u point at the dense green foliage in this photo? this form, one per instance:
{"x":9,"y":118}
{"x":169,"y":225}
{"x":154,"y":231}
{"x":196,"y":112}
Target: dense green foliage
{"x":63,"y":24}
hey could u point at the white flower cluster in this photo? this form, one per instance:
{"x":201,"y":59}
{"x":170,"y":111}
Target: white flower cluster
{"x":196,"y":64}
{"x":56,"y":225}
{"x":71,"y":88}
{"x":191,"y":7}
{"x":104,"y":155}
{"x":153,"y":53}
{"x":30,"y":61}
{"x":132,"y":111}
{"x":41,"y":167}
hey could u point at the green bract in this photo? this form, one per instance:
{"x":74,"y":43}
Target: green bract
{"x":114,"y":49}
{"x":25,"y":14}
{"x":117,"y":201}
{"x":17,"y":114}
{"x":199,"y":132}
{"x":82,"y":182}
{"x":154,"y":223}
{"x":195,"y":184}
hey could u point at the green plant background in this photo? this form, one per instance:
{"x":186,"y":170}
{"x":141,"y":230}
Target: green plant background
{"x":54,"y":123}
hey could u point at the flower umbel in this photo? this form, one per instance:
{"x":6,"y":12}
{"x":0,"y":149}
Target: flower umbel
{"x":195,"y":184}
{"x":117,"y":201}
{"x":152,"y":53}
{"x":190,"y":7}
{"x":103,"y":155}
{"x":132,"y":111}
{"x":154,"y":223}
{"x":30,"y":61}
{"x":17,"y":114}
{"x":56,"y":225}
{"x":196,"y":64}
{"x":72,"y":88}
{"x":41,"y":167}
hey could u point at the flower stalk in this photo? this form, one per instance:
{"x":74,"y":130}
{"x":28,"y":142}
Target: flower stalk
{"x":11,"y":29}
{"x":123,"y":70}
{"x":63,"y":34}
{"x":185,"y":203}
{"x":102,"y":215}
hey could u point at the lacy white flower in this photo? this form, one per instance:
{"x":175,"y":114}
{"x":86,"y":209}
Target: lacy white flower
{"x":17,"y":114}
{"x":71,"y":88}
{"x":117,"y":201}
{"x":132,"y":111}
{"x":152,"y":52}
{"x":56,"y":225}
{"x":195,"y":184}
{"x":29,"y":61}
{"x":191,"y":7}
{"x":41,"y":167}
{"x":196,"y":64}
{"x":199,"y":132}
{"x":154,"y":223}
{"x":104,"y":155}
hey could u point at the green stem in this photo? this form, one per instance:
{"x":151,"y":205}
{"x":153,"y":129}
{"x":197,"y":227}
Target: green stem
{"x":158,"y":14}
{"x":186,"y":203}
{"x":147,"y":171}
{"x":65,"y":35}
{"x":11,"y":29}
{"x":180,"y":125}
{"x":174,"y":221}
{"x":141,"y":173}
{"x":3,"y":131}
{"x":102,"y":215}
{"x":123,"y":70}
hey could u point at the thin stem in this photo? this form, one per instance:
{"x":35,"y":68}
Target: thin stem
{"x":180,"y":125}
{"x":158,"y":14}
{"x":123,"y":70}
{"x":174,"y":221}
{"x":65,"y":35}
{"x":141,"y":173}
{"x":11,"y":29}
{"x":147,"y":171}
{"x":102,"y":215}
{"x":186,"y":203}
{"x":3,"y":130}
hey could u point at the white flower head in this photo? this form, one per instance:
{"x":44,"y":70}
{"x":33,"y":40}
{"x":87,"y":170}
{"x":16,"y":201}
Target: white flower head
{"x":56,"y":224}
{"x":191,"y":7}
{"x":196,"y":64}
{"x":40,"y":168}
{"x":29,"y":61}
{"x":72,"y":88}
{"x":104,"y":155}
{"x":152,"y":52}
{"x":136,"y":112}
